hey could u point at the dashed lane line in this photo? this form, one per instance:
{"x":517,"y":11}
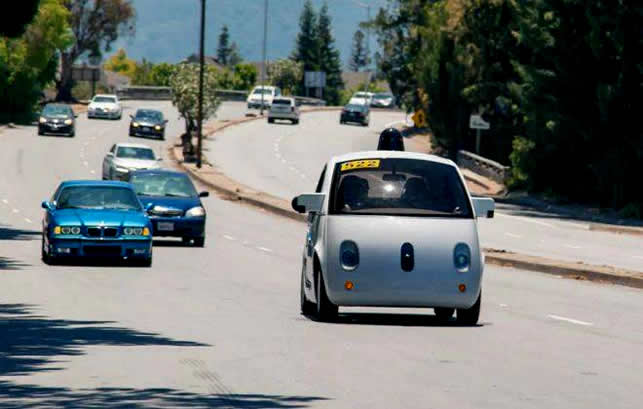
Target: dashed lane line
{"x":516,"y":236}
{"x":28,"y":220}
{"x":225,"y":236}
{"x":15,"y":210}
{"x":267,"y":250}
{"x":5,"y":201}
{"x":570,"y":320}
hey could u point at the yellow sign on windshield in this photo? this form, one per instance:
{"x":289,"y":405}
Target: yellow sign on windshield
{"x":360,"y":164}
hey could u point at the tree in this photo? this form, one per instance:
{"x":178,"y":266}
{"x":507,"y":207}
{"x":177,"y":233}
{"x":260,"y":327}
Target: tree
{"x":286,"y":74}
{"x":329,"y":60}
{"x":162,"y":73}
{"x":95,"y":24}
{"x":306,"y":49}
{"x":245,"y":76}
{"x":185,"y":91}
{"x":120,"y":63}
{"x":224,"y":49}
{"x":143,"y":73}
{"x":28,"y":63}
{"x":234,"y":58}
{"x":359,"y":57}
{"x":17,"y":16}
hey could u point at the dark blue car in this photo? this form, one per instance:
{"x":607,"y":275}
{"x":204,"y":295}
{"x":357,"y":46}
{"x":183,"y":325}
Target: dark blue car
{"x":174,"y":205}
{"x":96,"y":219}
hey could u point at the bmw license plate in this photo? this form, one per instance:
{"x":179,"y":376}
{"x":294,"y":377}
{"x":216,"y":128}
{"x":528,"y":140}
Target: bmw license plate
{"x":165,"y":226}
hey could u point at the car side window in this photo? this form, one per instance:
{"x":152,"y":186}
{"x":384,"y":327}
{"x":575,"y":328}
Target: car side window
{"x":320,"y":183}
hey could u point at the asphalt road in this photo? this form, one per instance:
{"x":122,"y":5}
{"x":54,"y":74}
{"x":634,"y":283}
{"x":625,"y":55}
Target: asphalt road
{"x":220,"y":327}
{"x":286,"y":160}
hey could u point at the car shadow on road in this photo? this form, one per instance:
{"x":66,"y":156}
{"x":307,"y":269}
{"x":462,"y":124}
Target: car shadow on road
{"x":169,"y":243}
{"x":397,"y":320}
{"x":8,"y":234}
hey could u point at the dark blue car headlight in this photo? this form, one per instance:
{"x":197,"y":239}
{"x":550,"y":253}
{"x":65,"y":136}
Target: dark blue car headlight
{"x":197,"y":211}
{"x":349,"y":255}
{"x":462,"y":257}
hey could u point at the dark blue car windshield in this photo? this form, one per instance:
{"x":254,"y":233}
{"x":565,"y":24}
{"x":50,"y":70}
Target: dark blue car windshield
{"x":163,"y":184}
{"x":98,"y":197}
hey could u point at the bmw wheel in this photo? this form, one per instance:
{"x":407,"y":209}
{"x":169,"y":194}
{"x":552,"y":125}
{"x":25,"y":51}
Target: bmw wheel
{"x":44,"y":255}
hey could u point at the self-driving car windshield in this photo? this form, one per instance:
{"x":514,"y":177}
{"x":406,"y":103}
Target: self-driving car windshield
{"x":401,"y":187}
{"x":56,"y":110}
{"x":130,"y":152}
{"x":148,"y":115}
{"x":104,"y":99}
{"x":98,"y":197}
{"x":159,"y":184}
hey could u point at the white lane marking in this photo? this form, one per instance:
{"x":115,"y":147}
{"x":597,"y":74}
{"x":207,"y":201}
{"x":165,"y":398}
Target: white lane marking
{"x":640,"y":257}
{"x":303,"y":176}
{"x":517,"y":236}
{"x":571,"y":246}
{"x":93,"y":172}
{"x":5,"y":201}
{"x":86,"y":143}
{"x":28,"y":220}
{"x":526,"y":220}
{"x":225,"y":236}
{"x":86,"y":163}
{"x":570,"y":320}
{"x":15,"y":210}
{"x":292,"y":168}
{"x":283,"y":160}
{"x":264,"y":249}
{"x":503,"y":305}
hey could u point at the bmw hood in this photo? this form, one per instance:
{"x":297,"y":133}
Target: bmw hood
{"x":180,"y":203}
{"x":94,"y":217}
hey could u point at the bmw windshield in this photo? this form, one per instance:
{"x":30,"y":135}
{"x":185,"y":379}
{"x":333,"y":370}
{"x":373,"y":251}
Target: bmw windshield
{"x":398,"y":187}
{"x":98,"y":197}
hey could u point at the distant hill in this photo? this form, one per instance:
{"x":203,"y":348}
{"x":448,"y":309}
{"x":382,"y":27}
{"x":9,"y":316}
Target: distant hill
{"x":167,"y":30}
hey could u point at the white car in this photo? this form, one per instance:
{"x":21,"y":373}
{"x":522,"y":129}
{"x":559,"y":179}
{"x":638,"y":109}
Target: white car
{"x":392,"y":229}
{"x":284,"y":108}
{"x":124,"y":158}
{"x":269,"y":93}
{"x":105,"y":106}
{"x":361,"y":98}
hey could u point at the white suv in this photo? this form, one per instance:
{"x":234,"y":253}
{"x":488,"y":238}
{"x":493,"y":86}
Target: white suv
{"x":269,"y":93}
{"x":105,"y":106}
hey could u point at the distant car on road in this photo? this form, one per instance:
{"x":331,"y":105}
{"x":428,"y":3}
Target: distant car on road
{"x":105,"y":106}
{"x":356,"y":113}
{"x":57,"y":119}
{"x":284,"y":108}
{"x":269,"y":93}
{"x":392,"y":229}
{"x":124,"y":158}
{"x":174,"y":205}
{"x":383,"y":100}
{"x":148,"y":122}
{"x":362,"y":98}
{"x":96,"y":219}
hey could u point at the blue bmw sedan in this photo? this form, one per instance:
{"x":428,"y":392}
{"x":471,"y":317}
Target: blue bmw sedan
{"x":174,"y":205}
{"x":96,"y":219}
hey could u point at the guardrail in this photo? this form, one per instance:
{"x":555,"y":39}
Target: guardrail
{"x":143,"y":92}
{"x":483,"y":166}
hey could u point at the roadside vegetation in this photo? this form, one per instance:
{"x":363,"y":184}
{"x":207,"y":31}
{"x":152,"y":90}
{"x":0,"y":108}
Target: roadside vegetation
{"x":559,"y":81}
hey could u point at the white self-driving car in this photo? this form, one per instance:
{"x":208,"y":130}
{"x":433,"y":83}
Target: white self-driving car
{"x":392,"y":229}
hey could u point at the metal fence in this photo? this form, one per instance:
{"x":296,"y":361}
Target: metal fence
{"x":483,"y":166}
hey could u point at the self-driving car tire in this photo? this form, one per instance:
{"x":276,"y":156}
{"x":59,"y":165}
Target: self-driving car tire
{"x":325,"y":310}
{"x":444,"y":314}
{"x":307,"y":307}
{"x":470,"y":316}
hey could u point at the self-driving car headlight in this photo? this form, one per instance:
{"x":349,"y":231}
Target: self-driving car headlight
{"x":349,"y":255}
{"x":157,"y":127}
{"x":43,"y":120}
{"x":133,"y":231}
{"x":68,"y":121}
{"x":462,"y":257}
{"x":195,"y":212}
{"x":135,"y":124}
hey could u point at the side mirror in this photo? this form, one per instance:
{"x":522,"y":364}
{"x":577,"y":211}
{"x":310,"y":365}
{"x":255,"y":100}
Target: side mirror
{"x":75,"y":115}
{"x":483,"y":206}
{"x":165,"y":121}
{"x":204,"y":194}
{"x":149,"y":206}
{"x":110,"y":155}
{"x":131,"y":116}
{"x":46,"y":205}
{"x":159,"y":159}
{"x":308,"y":203}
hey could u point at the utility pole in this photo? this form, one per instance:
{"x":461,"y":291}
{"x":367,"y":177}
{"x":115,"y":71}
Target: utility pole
{"x":263,"y":52}
{"x":200,"y":105}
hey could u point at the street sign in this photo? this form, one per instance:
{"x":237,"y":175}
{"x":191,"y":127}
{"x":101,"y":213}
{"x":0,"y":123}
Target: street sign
{"x":419,"y":119}
{"x":85,"y":73}
{"x":476,"y":122}
{"x":315,"y":79}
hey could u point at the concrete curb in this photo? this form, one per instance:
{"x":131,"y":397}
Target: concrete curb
{"x":233,"y":190}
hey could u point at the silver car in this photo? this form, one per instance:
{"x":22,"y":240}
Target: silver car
{"x":285,"y":109}
{"x":105,"y":106}
{"x":392,"y":229}
{"x":124,"y":158}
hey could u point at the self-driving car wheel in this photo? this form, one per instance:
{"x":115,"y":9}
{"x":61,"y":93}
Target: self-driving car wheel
{"x":469,"y":316}
{"x":326,"y":311}
{"x":444,"y":314}
{"x":307,"y":307}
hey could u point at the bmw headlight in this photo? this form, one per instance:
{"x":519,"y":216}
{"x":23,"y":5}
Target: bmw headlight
{"x":66,"y":230}
{"x":136,"y":231}
{"x":68,"y":121}
{"x":43,"y":120}
{"x":195,"y":212}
